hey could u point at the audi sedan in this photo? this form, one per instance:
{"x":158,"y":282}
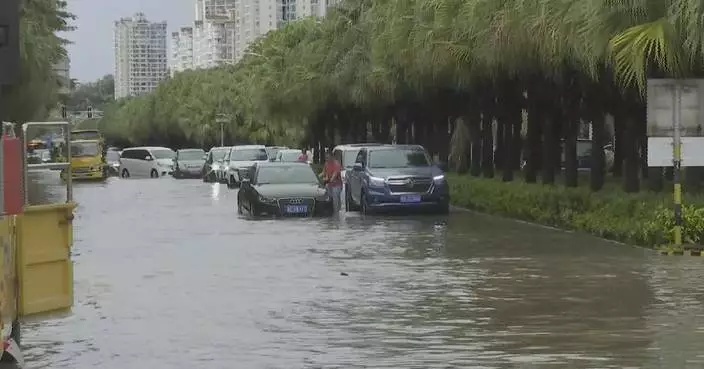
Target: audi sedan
{"x":283,"y":190}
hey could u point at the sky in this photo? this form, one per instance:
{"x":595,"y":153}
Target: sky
{"x":92,"y":50}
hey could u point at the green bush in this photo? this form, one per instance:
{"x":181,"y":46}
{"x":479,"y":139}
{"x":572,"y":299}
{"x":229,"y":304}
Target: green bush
{"x":644,"y":219}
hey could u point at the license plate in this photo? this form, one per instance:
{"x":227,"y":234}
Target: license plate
{"x":410,"y":198}
{"x":296,"y":209}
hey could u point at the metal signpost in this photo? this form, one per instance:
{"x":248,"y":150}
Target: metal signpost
{"x":675,"y":132}
{"x":222,"y":119}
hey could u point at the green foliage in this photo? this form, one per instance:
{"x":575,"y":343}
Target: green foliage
{"x":41,"y":48}
{"x":97,"y":94}
{"x":644,"y":219}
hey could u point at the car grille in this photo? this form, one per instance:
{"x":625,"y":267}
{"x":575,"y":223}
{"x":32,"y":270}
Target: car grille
{"x":417,"y":185}
{"x":308,"y":202}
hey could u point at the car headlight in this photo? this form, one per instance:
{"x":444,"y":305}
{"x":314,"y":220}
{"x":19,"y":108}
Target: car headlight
{"x":115,"y":164}
{"x":376,"y":182}
{"x":440,"y":178}
{"x":266,"y":200}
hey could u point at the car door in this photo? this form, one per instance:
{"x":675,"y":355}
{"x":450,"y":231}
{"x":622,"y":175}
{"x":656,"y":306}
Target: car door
{"x":144,"y":165}
{"x":126,"y":161}
{"x":355,"y":180}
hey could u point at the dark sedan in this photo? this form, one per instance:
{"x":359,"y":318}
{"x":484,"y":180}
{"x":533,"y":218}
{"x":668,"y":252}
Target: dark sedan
{"x":283,"y":189}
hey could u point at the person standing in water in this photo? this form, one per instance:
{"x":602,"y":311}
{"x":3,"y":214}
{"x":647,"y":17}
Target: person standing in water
{"x":332,"y":177}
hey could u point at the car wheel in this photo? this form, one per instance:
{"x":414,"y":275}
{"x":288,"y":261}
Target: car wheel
{"x":125,"y":173}
{"x":154,"y":174}
{"x":444,"y":208}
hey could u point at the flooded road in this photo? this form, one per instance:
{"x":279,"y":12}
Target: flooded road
{"x":167,"y":276}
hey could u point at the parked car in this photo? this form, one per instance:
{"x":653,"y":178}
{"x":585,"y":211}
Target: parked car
{"x":288,"y":156}
{"x":346,"y":154}
{"x":273,"y":151}
{"x":112,"y":157}
{"x":283,"y":189}
{"x":189,"y":163}
{"x":240,"y":160}
{"x":153,"y":162}
{"x":396,"y":177}
{"x":214,"y":162}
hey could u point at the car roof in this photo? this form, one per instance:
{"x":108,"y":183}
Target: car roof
{"x":279,"y":164}
{"x":357,"y":146}
{"x":147,"y":148}
{"x":290,"y":150}
{"x":243,"y":147}
{"x":220,"y":148}
{"x":392,"y":147}
{"x":182,"y":150}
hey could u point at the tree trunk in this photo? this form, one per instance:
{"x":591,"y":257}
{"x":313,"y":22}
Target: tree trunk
{"x":570,"y":150}
{"x":598,"y":161}
{"x":474,"y":125}
{"x":487,"y":135}
{"x":534,"y":143}
{"x":631,"y":182}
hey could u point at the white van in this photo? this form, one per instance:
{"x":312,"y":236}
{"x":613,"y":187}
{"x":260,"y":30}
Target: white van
{"x":146,"y":161}
{"x":240,"y":160}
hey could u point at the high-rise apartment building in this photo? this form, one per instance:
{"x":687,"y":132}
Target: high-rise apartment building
{"x":140,"y":55}
{"x":182,"y":50}
{"x":224,"y":29}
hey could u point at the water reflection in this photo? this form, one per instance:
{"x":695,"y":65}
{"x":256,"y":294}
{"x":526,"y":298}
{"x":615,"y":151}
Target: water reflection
{"x":168,"y":276}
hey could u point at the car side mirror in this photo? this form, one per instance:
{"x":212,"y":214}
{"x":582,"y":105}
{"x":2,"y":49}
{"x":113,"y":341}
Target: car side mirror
{"x":148,"y":158}
{"x":357,"y":167}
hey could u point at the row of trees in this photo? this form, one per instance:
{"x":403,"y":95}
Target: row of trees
{"x":37,"y":91}
{"x":502,"y":80}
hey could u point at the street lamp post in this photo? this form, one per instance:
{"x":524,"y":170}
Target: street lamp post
{"x":221,"y":119}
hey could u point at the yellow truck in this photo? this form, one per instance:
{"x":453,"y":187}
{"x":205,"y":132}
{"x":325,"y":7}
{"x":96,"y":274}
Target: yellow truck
{"x":88,"y":160}
{"x":36,"y":271}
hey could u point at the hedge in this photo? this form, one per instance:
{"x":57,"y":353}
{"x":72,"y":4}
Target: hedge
{"x":644,"y":219}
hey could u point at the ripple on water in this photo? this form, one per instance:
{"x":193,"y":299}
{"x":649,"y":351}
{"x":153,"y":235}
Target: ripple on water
{"x":167,"y":276}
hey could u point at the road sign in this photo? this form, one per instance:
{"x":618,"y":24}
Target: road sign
{"x":671,"y":100}
{"x":661,"y":106}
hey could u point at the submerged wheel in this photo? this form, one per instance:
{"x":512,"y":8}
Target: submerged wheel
{"x":154,"y":174}
{"x":125,"y":173}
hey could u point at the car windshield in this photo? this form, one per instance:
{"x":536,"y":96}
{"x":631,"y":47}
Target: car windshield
{"x":163,"y":154}
{"x":249,"y":155}
{"x":294,"y":174}
{"x":112,"y":156}
{"x":85,"y":135}
{"x":219,"y":153}
{"x":348,"y":158}
{"x":290,"y":156}
{"x":190,"y":155}
{"x":398,"y":158}
{"x":272,"y":151}
{"x":84,"y":149}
